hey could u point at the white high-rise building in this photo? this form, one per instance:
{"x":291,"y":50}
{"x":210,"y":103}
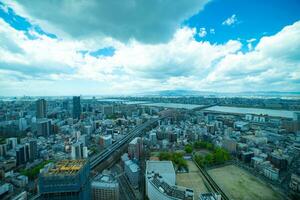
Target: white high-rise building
{"x":85,"y":152}
{"x":77,"y":151}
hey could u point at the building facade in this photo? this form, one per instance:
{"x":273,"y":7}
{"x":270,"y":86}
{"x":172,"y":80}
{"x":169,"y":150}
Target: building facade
{"x":66,"y":179}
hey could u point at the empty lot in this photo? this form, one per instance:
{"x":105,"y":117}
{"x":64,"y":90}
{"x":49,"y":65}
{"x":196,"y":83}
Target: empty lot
{"x":239,"y":184}
{"x":192,"y":180}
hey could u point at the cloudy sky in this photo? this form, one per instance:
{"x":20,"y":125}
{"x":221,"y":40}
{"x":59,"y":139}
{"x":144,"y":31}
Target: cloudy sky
{"x":96,"y":47}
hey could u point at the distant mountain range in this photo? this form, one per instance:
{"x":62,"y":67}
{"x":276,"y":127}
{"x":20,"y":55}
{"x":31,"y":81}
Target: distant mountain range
{"x":208,"y":93}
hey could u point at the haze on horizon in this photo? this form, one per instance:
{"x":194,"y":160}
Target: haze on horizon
{"x":134,"y":46}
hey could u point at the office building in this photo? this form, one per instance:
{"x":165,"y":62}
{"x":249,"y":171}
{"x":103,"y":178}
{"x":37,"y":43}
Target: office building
{"x":41,"y":108}
{"x":77,"y":150}
{"x":76,"y":107}
{"x":153,"y":138}
{"x":85,"y":152}
{"x":105,"y":187}
{"x":3,"y":150}
{"x":135,"y":148}
{"x":105,"y":141}
{"x":66,"y":179}
{"x":43,"y":127}
{"x":20,"y":155}
{"x":132,"y":172}
{"x":11,"y":143}
{"x":33,"y":151}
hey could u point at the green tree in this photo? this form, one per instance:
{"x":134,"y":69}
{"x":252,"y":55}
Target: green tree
{"x":188,"y":148}
{"x":209,"y":159}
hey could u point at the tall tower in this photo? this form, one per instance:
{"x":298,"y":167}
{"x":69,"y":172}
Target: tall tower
{"x":41,"y":108}
{"x":76,"y":107}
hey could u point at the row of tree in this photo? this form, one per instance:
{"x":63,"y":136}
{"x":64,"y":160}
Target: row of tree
{"x":33,"y":173}
{"x":216,"y":155}
{"x":176,"y":158}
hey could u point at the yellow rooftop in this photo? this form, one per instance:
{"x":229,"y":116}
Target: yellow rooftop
{"x":67,"y":167}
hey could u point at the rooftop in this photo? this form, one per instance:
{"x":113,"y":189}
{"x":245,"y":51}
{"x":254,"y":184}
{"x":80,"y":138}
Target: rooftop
{"x":170,"y":190}
{"x":65,"y":167}
{"x":133,"y":167}
{"x":160,"y":166}
{"x":135,"y":140}
{"x":104,"y":181}
{"x":207,"y":196}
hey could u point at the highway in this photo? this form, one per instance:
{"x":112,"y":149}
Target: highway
{"x":97,"y":159}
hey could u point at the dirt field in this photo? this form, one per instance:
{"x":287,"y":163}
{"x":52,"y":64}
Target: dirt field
{"x":192,"y":180}
{"x":239,"y":184}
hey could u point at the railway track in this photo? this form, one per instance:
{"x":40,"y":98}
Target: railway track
{"x":211,"y":183}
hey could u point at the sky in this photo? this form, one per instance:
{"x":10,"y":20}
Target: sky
{"x":103,"y":47}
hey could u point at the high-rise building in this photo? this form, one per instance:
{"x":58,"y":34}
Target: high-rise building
{"x":44,"y":127}
{"x":20,"y":155}
{"x":66,"y":179}
{"x":41,"y":108}
{"x":153,"y":138}
{"x":105,"y":187}
{"x":132,"y":171}
{"x":135,"y":148}
{"x":77,"y":150}
{"x":11,"y":143}
{"x":33,"y":152}
{"x":76,"y":107}
{"x":27,"y":153}
{"x":3,"y":150}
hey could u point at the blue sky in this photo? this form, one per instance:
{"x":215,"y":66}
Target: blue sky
{"x":255,"y":18}
{"x":217,"y":45}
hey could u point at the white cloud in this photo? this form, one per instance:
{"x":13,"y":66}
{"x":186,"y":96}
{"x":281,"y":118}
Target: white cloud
{"x":272,"y":65}
{"x":212,"y":31}
{"x":230,"y":20}
{"x":30,"y":66}
{"x":202,"y":32}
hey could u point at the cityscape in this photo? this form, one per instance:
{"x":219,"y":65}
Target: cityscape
{"x":150,"y":100}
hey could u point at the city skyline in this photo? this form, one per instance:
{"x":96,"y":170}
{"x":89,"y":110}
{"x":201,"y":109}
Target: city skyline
{"x":132,"y":47}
